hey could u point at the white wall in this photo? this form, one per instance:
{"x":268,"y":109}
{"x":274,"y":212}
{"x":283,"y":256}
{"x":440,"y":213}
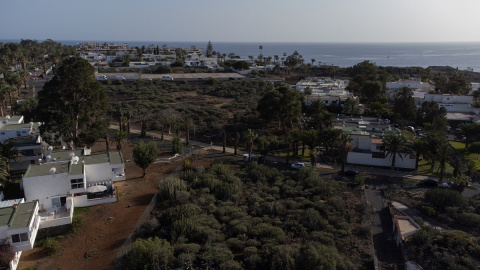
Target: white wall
{"x":366,"y":159}
{"x":98,"y":172}
{"x":82,"y":201}
{"x":43,"y":188}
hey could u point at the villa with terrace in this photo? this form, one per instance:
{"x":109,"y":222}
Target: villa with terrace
{"x":71,"y":178}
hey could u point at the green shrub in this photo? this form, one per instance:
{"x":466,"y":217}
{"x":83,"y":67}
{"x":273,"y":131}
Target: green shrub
{"x":441,"y":198}
{"x":51,"y":246}
{"x":469,"y":219}
{"x":428,"y":210}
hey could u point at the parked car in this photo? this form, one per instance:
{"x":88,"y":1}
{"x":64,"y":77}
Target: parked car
{"x":167,"y":78}
{"x":350,"y":173}
{"x":120,"y":78}
{"x":298,"y":165}
{"x":428,"y":183}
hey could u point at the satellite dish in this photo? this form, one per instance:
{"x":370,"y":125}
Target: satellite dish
{"x":53,"y":170}
{"x":75,"y":160}
{"x":8,"y":117}
{"x":48,"y":157}
{"x":50,"y":148}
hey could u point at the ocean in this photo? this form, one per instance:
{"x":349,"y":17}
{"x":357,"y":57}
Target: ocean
{"x":464,"y":56}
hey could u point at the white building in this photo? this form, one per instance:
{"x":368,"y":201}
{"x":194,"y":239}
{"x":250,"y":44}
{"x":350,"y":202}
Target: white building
{"x":30,"y":151}
{"x":412,"y":83}
{"x":69,"y":178}
{"x":368,"y":148}
{"x":11,"y":127}
{"x":19,"y":224}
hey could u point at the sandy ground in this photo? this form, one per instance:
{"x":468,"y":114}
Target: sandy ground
{"x":105,"y":227}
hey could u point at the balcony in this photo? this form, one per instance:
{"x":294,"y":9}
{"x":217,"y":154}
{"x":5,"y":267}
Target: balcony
{"x":56,"y":217}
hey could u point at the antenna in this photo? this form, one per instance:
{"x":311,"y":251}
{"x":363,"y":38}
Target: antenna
{"x":53,"y":170}
{"x":50,"y":148}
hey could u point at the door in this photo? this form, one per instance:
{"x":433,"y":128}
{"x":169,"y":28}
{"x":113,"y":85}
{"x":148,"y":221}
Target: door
{"x":56,"y":203}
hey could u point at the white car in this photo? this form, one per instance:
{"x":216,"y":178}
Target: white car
{"x":298,"y":165}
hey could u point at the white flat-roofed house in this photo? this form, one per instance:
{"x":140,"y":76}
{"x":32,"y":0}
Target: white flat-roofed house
{"x":69,"y":178}
{"x":368,"y":148}
{"x":412,"y":83}
{"x":11,"y":127}
{"x":19,"y":224}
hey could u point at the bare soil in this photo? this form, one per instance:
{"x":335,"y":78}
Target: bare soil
{"x":105,"y":227}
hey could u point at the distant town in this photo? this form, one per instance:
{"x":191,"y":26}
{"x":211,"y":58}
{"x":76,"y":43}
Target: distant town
{"x":121,"y":157}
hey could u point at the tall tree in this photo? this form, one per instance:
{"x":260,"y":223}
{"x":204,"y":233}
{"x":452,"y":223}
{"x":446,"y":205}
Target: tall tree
{"x":404,"y":105}
{"x":120,"y":137}
{"x":281,"y":104}
{"x":420,"y":147}
{"x":9,"y":152}
{"x":144,"y":154}
{"x":73,"y":101}
{"x":395,"y":145}
{"x":352,"y":106}
{"x":266,"y":144}
{"x":344,"y":145}
{"x":469,"y":130}
{"x":250,"y":135}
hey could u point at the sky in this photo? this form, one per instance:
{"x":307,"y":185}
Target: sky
{"x":242,"y":20}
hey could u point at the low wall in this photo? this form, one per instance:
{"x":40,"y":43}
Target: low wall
{"x":51,"y":231}
{"x":82,"y":201}
{"x":367,"y":159}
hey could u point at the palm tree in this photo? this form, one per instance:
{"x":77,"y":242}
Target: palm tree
{"x":395,"y":145}
{"x":9,"y":152}
{"x":237,"y":138}
{"x":261,"y":48}
{"x":419,"y":146}
{"x":344,"y":145}
{"x":3,"y":172}
{"x":329,"y":136}
{"x":468,"y":130}
{"x":313,"y":61}
{"x":250,"y":135}
{"x":352,"y":106}
{"x":444,"y":150}
{"x":120,"y":137}
{"x":433,"y":141}
{"x":188,"y":123}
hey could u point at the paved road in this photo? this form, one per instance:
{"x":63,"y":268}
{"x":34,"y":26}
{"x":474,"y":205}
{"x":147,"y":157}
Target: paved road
{"x":382,"y":229}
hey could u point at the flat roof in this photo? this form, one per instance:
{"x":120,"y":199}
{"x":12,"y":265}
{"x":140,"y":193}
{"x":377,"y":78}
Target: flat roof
{"x":9,"y":203}
{"x":44,"y":169}
{"x":406,"y":226}
{"x":17,"y":218}
{"x":14,"y":126}
{"x":60,"y":160}
{"x":14,"y":118}
{"x":116,"y":158}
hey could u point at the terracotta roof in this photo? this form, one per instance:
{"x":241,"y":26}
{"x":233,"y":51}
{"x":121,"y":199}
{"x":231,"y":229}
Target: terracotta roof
{"x":377,"y":141}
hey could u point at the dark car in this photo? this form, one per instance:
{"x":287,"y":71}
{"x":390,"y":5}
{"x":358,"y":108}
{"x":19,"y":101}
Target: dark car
{"x":350,"y":173}
{"x":428,"y":183}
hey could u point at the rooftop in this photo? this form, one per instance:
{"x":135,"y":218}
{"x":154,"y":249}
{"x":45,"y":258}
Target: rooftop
{"x":15,"y":126}
{"x":17,"y":218}
{"x":14,"y":118}
{"x":405,"y":226}
{"x":60,"y":160}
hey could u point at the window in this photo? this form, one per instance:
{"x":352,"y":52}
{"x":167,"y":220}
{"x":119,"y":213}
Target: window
{"x":19,"y":237}
{"x":77,"y":183}
{"x":3,"y":133}
{"x":19,"y":134}
{"x":24,"y":131}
